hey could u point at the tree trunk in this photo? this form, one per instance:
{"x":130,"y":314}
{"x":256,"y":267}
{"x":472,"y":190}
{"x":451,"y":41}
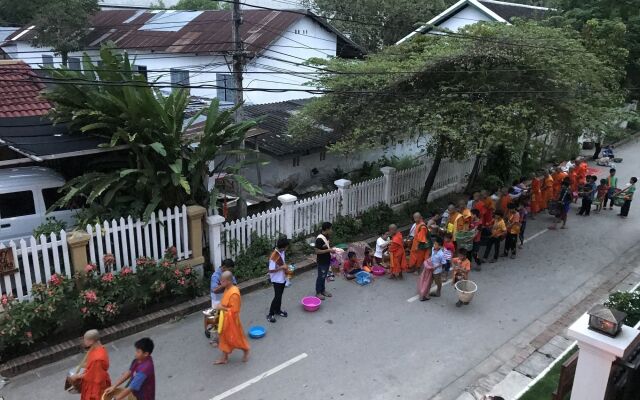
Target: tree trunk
{"x":433,"y":172}
{"x":525,"y":152}
{"x":65,"y":57}
{"x":475,"y":171}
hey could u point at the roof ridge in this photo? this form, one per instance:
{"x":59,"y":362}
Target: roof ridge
{"x":505,"y":3}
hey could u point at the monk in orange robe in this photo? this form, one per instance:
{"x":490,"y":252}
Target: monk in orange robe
{"x":230,"y":330}
{"x":573,"y":178}
{"x":398,"y":261}
{"x":420,"y":243}
{"x":95,"y":377}
{"x":547,"y":188}
{"x":536,"y":195}
{"x":505,"y":199}
{"x":581,"y":172}
{"x":558,"y":177}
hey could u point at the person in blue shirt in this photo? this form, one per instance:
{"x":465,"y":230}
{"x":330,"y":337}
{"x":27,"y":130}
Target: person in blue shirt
{"x":216,"y":291}
{"x":588,"y":195}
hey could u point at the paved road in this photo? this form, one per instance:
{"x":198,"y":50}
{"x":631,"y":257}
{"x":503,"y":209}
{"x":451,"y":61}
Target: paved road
{"x":371,"y":342}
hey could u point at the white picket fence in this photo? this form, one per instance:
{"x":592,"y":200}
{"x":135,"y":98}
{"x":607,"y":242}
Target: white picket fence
{"x":303,"y":217}
{"x":309,"y":213}
{"x":129,"y":240}
{"x":35,"y":260}
{"x":238,"y":234}
{"x":363,"y":196}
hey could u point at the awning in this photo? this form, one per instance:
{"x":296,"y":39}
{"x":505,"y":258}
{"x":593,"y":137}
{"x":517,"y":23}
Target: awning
{"x":37,"y":139}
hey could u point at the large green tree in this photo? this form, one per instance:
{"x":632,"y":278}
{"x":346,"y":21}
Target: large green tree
{"x":580,"y":14}
{"x":164,"y":168}
{"x":201,"y":5}
{"x":489,"y":84}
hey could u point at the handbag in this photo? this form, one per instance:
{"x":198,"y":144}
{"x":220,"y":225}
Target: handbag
{"x":75,"y":386}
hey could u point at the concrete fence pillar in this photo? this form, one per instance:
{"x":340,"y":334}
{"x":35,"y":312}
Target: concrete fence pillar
{"x":288,"y":201}
{"x":78,"y":242}
{"x":597,"y":354}
{"x":388,"y":173}
{"x":344,"y":186}
{"x":214,"y":231}
{"x":195,"y":214}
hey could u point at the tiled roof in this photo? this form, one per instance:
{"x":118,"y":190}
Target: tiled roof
{"x":271,"y":136}
{"x":20,"y":91}
{"x":193,"y":31}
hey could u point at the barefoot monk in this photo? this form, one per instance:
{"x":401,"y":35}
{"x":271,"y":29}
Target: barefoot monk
{"x":230,"y":329}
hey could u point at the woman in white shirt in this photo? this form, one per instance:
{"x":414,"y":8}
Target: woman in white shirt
{"x":277,"y":274}
{"x":381,"y":246}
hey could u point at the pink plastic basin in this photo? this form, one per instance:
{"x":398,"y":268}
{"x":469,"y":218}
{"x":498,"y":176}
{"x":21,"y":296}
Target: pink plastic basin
{"x":377,"y":270}
{"x":311,"y":303}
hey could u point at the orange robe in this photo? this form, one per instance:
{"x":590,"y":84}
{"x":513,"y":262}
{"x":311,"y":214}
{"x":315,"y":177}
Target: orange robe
{"x":547,"y":190}
{"x":396,"y":252}
{"x":582,"y":173}
{"x":418,"y":255}
{"x":536,"y":195}
{"x":573,"y":176}
{"x":558,"y":177}
{"x":96,"y":377}
{"x":504,"y":202}
{"x":232,"y":335}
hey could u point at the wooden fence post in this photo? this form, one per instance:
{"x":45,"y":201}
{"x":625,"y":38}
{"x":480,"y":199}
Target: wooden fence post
{"x":195,"y":215}
{"x":388,"y":173}
{"x":343,"y":188}
{"x":78,"y":242}
{"x":288,"y":201}
{"x":215,"y":240}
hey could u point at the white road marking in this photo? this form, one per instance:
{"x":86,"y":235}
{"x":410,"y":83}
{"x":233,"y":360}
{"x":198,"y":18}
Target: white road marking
{"x":416,"y":297}
{"x":536,"y":235}
{"x":260,"y":377}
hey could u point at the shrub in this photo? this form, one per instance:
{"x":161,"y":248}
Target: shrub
{"x":52,"y":225}
{"x":252,"y":261}
{"x":628,"y":302}
{"x":377,"y":218}
{"x":345,"y":229}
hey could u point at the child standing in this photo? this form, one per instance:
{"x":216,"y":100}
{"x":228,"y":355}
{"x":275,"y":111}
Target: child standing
{"x":461,"y":266}
{"x":498,"y":232}
{"x":602,"y":191}
{"x":449,"y":250}
{"x":513,"y":230}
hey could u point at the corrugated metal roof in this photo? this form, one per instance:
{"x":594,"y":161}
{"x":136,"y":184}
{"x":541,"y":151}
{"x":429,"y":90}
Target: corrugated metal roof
{"x":17,"y":97}
{"x":193,"y":32}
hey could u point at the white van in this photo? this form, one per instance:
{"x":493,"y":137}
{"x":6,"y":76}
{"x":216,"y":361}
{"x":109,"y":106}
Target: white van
{"x":25,"y":195}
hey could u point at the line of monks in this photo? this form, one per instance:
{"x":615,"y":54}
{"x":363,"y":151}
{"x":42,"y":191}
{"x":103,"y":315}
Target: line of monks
{"x":542,"y":188}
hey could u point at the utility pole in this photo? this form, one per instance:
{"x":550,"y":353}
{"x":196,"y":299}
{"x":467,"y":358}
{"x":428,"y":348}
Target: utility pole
{"x":238,"y":66}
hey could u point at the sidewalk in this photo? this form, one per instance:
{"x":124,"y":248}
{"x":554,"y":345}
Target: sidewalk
{"x":515,"y":364}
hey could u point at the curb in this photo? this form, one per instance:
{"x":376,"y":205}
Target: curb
{"x":70,"y":347}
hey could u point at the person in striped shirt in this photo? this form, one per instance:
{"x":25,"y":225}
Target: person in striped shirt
{"x":448,"y":249}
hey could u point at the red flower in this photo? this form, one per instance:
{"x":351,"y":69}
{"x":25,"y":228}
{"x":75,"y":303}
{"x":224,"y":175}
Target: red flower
{"x":84,"y":310}
{"x":187,"y":271}
{"x":126,"y":271}
{"x":28,"y":334}
{"x":166,"y":264}
{"x":90,"y":296}
{"x":173,"y":251}
{"x":89,"y":268}
{"x":111,"y":308}
{"x":5,"y":300}
{"x":109,"y":259}
{"x":181,"y":281}
{"x":177,"y":272}
{"x":55,"y":280}
{"x":108,"y":277}
{"x":140,"y":261}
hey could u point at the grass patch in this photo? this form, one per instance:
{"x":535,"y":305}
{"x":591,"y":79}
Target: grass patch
{"x":544,"y":388}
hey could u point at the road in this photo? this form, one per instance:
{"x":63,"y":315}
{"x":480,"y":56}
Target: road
{"x":371,"y":342}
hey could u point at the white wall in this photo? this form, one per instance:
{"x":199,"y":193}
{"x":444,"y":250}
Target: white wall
{"x":282,"y":170}
{"x":469,"y":15}
{"x":301,"y":41}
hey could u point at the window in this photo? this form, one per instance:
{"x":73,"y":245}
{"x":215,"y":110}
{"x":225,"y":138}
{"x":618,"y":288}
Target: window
{"x":323,"y":155}
{"x":73,"y":63}
{"x":142,"y":70}
{"x":17,"y":204}
{"x":179,"y":77}
{"x":296,"y":161}
{"x":226,"y":85}
{"x":51,"y":195}
{"x":47,"y":60}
